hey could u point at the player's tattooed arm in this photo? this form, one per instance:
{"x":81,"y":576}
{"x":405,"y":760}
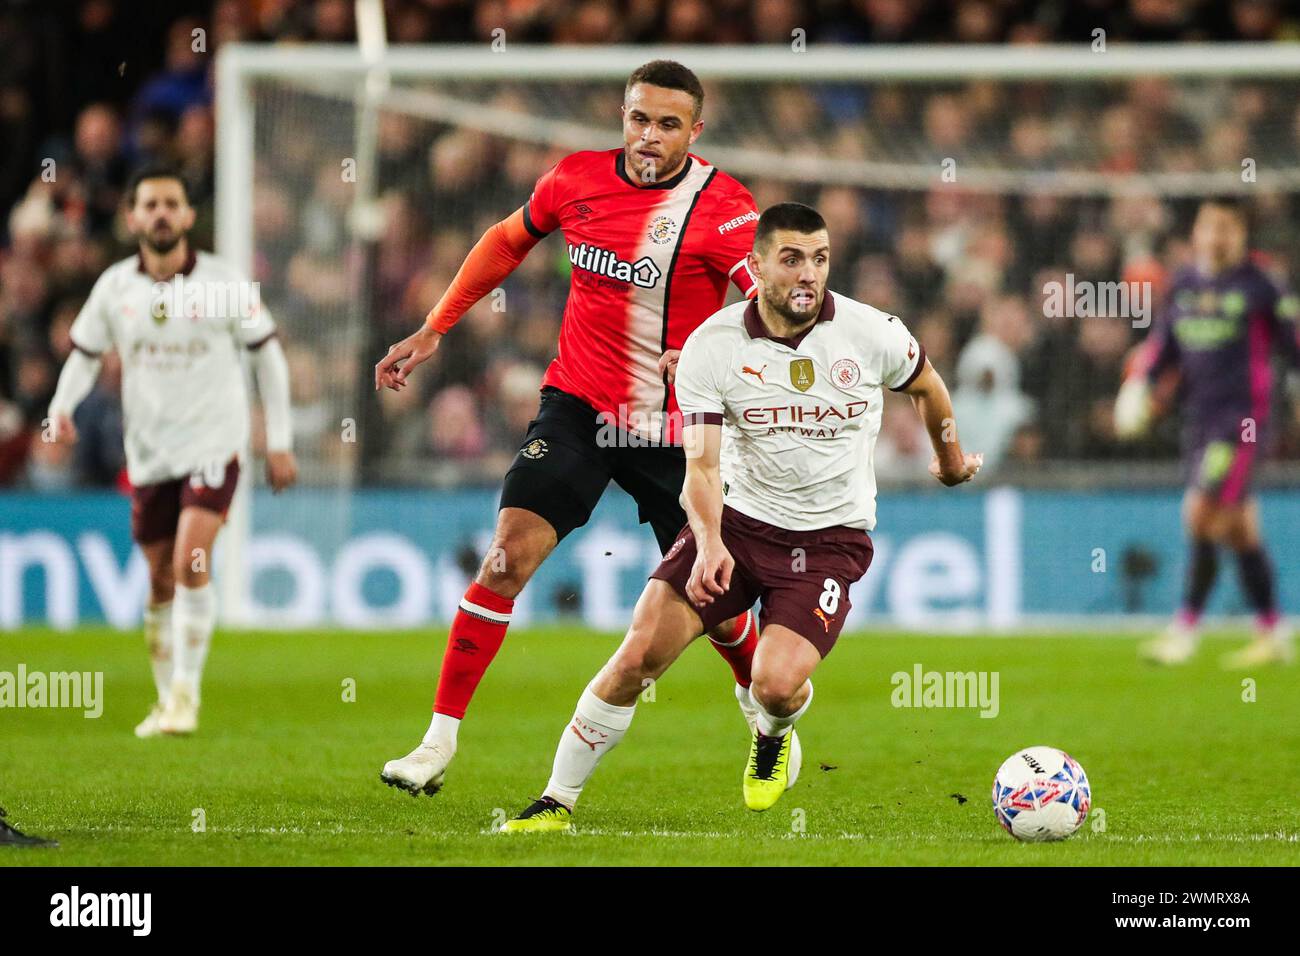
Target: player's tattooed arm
{"x":702,"y":499}
{"x":929,"y":394}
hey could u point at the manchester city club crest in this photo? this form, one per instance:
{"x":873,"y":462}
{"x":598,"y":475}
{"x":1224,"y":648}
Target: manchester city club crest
{"x":845,"y":373}
{"x":537,"y":448}
{"x":662,"y":230}
{"x":801,"y":374}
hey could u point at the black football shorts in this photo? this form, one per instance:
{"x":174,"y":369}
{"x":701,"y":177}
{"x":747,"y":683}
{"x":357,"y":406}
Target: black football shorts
{"x":563,"y":467}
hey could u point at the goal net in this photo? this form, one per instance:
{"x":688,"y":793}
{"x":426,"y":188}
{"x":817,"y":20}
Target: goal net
{"x":959,"y":184}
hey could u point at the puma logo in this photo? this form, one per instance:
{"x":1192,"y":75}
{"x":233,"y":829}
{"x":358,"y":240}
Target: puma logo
{"x":746,"y":370}
{"x":590,"y":743}
{"x":826,"y":624}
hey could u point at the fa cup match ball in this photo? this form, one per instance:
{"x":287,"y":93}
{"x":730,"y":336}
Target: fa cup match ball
{"x":1041,"y":794}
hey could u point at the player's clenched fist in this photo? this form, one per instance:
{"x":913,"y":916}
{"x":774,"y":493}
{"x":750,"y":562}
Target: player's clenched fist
{"x":668,"y":364}
{"x":409,"y":352}
{"x":64,"y":430}
{"x":281,"y":470}
{"x":710,"y":575}
{"x":970,"y":466}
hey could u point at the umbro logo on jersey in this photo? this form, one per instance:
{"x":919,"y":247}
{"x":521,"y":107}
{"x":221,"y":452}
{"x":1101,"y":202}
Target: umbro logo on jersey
{"x":758,"y":374}
{"x":643,"y":272}
{"x":583,"y":210}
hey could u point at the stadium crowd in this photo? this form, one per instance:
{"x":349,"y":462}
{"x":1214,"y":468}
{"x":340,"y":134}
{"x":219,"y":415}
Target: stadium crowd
{"x":964,"y":268}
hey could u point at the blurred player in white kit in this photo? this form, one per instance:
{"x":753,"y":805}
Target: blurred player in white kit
{"x":179,"y":320}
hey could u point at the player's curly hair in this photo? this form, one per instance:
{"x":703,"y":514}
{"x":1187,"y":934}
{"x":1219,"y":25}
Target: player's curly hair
{"x":671,"y":75}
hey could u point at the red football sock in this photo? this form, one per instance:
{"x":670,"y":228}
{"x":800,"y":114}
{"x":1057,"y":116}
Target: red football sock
{"x":739,"y":651}
{"x":477,"y":631}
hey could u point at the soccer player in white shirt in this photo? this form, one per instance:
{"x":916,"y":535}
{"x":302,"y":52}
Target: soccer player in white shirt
{"x":781,"y":400}
{"x":179,"y":320}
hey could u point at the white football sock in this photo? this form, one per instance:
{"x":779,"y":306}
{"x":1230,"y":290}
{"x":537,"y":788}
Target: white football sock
{"x":743,"y":699}
{"x":158,"y":637}
{"x":442,"y":732}
{"x":769,"y":725}
{"x":595,"y":730}
{"x":193,"y":615}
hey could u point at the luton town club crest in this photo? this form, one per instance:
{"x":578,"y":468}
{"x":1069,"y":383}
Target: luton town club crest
{"x":801,"y":374}
{"x":662,"y":230}
{"x":534,"y":449}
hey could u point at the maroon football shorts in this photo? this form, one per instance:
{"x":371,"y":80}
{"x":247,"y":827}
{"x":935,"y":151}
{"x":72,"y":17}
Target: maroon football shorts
{"x":801,"y":577}
{"x":156,"y":509}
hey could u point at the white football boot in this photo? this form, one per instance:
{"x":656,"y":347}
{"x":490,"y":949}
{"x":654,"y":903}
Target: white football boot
{"x":1175,"y":646}
{"x":1271,"y":646}
{"x":149,"y":726}
{"x":751,"y":720}
{"x":180,"y":715}
{"x":420,"y":771}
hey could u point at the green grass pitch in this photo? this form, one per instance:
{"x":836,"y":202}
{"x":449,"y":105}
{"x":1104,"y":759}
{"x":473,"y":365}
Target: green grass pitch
{"x":285,"y":771}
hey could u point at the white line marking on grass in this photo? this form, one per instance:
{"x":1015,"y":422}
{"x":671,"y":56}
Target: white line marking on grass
{"x":993,"y":838}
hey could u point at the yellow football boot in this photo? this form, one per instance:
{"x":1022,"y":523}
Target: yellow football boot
{"x":543,"y":816}
{"x":767,"y":772}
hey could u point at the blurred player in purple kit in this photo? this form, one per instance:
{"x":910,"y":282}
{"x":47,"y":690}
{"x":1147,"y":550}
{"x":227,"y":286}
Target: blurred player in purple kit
{"x":1223,"y":321}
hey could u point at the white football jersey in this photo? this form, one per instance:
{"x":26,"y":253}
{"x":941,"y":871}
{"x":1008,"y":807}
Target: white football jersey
{"x":184,"y":395}
{"x":799,"y":416}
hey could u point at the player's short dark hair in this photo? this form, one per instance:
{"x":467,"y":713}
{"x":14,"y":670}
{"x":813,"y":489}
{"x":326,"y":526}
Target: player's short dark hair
{"x":791,"y":216}
{"x":1234,"y":204}
{"x":154,"y":171}
{"x":671,"y":75}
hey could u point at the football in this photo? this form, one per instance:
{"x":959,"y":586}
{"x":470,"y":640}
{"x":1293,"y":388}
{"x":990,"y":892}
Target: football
{"x":1041,"y":794}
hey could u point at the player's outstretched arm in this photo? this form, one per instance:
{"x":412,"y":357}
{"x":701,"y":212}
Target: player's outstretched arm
{"x":76,"y":380}
{"x":272,"y":373}
{"x":702,"y":499}
{"x":496,"y":255}
{"x":930,"y":396}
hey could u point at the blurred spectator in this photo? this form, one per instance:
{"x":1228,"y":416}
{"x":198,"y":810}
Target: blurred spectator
{"x":903,"y":450}
{"x":987,"y":400}
{"x":98,"y":456}
{"x":184,"y":81}
{"x":455,"y":425}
